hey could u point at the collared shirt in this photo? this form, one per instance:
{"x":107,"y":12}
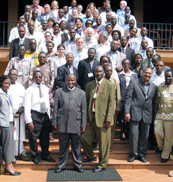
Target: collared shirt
{"x":21,"y":40}
{"x":14,"y":34}
{"x":101,"y":49}
{"x":71,"y":88}
{"x":57,"y":62}
{"x":123,"y":50}
{"x":93,"y":43}
{"x":39,"y":8}
{"x":35,"y":35}
{"x":43,"y":16}
{"x":121,"y":12}
{"x":103,"y":16}
{"x":43,"y":48}
{"x":158,"y":79}
{"x":144,"y":55}
{"x":85,"y":18}
{"x":32,"y":100}
{"x":114,"y":59}
{"x":125,"y":26}
{"x":165,"y":102}
{"x":70,"y":46}
{"x":78,"y":56}
{"x":146,"y":87}
{"x":33,"y":57}
{"x":57,"y":39}
{"x":59,"y":19}
{"x":127,"y":77}
{"x":117,"y":27}
{"x":70,"y":69}
{"x":23,"y":67}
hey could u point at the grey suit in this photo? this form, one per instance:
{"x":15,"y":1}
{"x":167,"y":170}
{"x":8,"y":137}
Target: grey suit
{"x":69,"y":114}
{"x":140,"y":106}
{"x":6,"y":127}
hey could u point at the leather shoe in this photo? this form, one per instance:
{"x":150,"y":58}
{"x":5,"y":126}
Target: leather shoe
{"x":6,"y":171}
{"x":36,"y":160}
{"x":58,"y":170}
{"x":131,"y":159}
{"x":164,"y":160}
{"x":80,"y":170}
{"x":157,"y":150}
{"x":142,"y":159}
{"x":98,"y":170}
{"x":89,"y":160}
{"x":152,"y":148}
{"x":48,"y":158}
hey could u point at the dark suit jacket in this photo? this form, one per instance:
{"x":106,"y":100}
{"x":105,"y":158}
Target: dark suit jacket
{"x":136,"y":103}
{"x":105,"y":101}
{"x":123,"y":84}
{"x":62,"y":73}
{"x":14,"y":47}
{"x":130,"y":54}
{"x":83,"y":69}
{"x":166,"y":68}
{"x":64,"y":37}
{"x":69,"y":114}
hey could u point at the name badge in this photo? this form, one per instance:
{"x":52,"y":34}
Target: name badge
{"x":90,"y":75}
{"x":166,"y":95}
{"x":95,"y":96}
{"x":20,"y":73}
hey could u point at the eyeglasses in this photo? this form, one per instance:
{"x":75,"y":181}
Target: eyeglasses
{"x":37,"y":76}
{"x":89,"y":23}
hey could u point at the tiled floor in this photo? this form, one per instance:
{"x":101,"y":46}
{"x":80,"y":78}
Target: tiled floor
{"x":153,"y":174}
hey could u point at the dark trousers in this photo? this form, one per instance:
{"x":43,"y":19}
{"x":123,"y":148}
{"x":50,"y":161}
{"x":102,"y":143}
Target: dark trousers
{"x":141,"y":130}
{"x":41,"y":131}
{"x":64,"y":141}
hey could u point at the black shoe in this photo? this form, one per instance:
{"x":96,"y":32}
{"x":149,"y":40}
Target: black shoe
{"x":96,"y":148}
{"x":89,"y":160}
{"x":48,"y":158}
{"x":152,"y":148}
{"x":17,"y":172}
{"x":142,"y":159}
{"x":98,"y":170}
{"x":110,"y":149}
{"x":7,"y":171}
{"x":158,"y":151}
{"x":58,"y":170}
{"x":36,"y":160}
{"x":164,"y":160}
{"x":80,"y":170}
{"x":131,"y":159}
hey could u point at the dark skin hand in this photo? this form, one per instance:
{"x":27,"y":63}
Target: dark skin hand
{"x":107,"y":125}
{"x":31,"y":126}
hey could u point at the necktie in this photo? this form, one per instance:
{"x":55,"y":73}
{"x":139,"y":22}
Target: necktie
{"x":21,"y":41}
{"x":149,"y":64}
{"x":98,"y":85}
{"x":42,"y":104}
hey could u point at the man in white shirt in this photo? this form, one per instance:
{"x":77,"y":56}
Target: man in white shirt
{"x":14,"y":31}
{"x":137,"y":42}
{"x":114,"y":22}
{"x":90,"y":40}
{"x":104,"y":46}
{"x":37,"y":116}
{"x":80,"y":53}
{"x":31,"y":34}
{"x":158,"y":75}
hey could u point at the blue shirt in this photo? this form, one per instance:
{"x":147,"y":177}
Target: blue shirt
{"x":85,"y":19}
{"x":42,"y":17}
{"x":121,"y":12}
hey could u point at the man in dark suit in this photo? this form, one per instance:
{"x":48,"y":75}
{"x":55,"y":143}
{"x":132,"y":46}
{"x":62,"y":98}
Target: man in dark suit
{"x":65,"y":70}
{"x":130,"y":53}
{"x":69,"y":115}
{"x":100,"y":96}
{"x":139,"y":110}
{"x":86,"y":68}
{"x":16,"y":42}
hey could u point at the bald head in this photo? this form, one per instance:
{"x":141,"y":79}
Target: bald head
{"x":71,"y":81}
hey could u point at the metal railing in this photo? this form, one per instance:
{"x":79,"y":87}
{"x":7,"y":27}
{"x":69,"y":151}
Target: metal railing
{"x":160,"y":33}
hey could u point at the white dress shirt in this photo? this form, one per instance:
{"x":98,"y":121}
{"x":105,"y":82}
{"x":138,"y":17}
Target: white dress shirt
{"x":158,"y":79}
{"x":36,"y":36}
{"x":70,"y":46}
{"x":32,"y":100}
{"x":101,"y":49}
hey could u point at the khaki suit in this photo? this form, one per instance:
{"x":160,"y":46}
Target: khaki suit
{"x":104,"y":107}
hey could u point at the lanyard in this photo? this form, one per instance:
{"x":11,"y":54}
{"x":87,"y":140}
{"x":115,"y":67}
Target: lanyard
{"x":92,"y":65}
{"x":33,"y":55}
{"x":79,"y":54}
{"x":21,"y":63}
{"x":43,"y":69}
{"x":9,"y":99}
{"x":72,"y":45}
{"x":49,"y":57}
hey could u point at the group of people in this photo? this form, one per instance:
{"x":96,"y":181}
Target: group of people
{"x":80,"y":74}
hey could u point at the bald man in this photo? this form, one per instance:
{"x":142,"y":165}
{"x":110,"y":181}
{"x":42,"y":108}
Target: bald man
{"x":64,"y":70}
{"x":69,"y":114}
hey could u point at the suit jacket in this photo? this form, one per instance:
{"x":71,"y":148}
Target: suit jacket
{"x":104,"y":105}
{"x":69,"y":111}
{"x":137,"y":104}
{"x":130,"y":54}
{"x":62,"y":73}
{"x":166,"y":68}
{"x":123,"y":84}
{"x":83,"y":69}
{"x":120,"y":57}
{"x":64,"y":37}
{"x":145,"y":63}
{"x":14,"y":47}
{"x":4,"y":110}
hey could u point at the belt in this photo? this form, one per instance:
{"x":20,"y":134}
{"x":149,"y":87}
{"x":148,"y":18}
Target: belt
{"x":39,"y":113}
